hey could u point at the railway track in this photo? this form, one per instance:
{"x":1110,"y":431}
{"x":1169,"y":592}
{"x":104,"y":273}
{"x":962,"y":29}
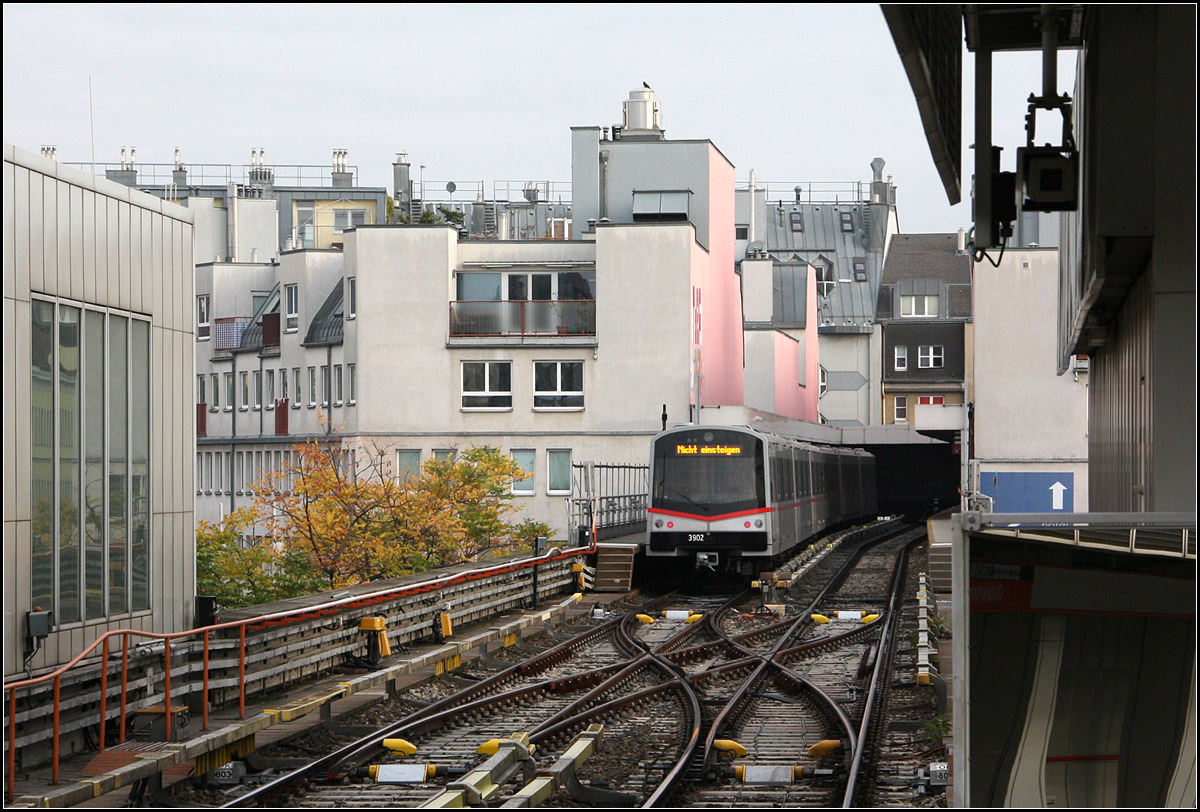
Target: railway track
{"x":713,"y":701}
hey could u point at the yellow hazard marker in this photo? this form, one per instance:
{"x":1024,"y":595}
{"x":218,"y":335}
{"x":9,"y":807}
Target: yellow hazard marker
{"x":730,"y":746}
{"x":870,"y":618}
{"x":492,"y":746}
{"x":378,"y":625}
{"x":692,"y":618}
{"x":820,"y":619}
{"x":823,"y":748}
{"x":645,"y":618}
{"x":401,"y":746}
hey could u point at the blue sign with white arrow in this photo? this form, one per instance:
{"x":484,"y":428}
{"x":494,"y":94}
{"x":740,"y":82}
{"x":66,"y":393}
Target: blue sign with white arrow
{"x":1029,"y":491}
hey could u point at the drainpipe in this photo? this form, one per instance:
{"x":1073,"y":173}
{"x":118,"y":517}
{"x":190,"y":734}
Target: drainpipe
{"x":751,"y":233}
{"x":603,"y":184}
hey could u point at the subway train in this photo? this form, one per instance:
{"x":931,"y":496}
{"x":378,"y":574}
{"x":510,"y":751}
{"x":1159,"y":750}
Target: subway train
{"x":733,"y":499}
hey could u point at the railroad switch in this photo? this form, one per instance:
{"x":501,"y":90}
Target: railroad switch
{"x":682,"y":614}
{"x":484,"y":783}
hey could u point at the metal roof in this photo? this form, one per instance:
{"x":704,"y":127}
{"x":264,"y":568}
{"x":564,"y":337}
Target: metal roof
{"x":822,"y":241}
{"x":326,"y":326}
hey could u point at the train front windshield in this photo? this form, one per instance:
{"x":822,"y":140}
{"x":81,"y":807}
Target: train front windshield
{"x":708,"y":472}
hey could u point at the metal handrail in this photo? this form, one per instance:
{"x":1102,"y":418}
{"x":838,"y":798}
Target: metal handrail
{"x":276,"y":618}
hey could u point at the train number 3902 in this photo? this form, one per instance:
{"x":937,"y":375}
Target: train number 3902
{"x":697,"y":536}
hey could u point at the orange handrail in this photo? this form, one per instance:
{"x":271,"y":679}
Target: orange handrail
{"x":261,"y":621}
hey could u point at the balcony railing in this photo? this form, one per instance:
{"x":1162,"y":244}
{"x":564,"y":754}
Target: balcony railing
{"x":523,"y":318}
{"x":227,"y":334}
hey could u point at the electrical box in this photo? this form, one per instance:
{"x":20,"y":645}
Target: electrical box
{"x":38,"y":623}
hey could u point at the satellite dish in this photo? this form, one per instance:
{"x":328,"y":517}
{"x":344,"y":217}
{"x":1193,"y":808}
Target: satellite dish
{"x":450,"y":187}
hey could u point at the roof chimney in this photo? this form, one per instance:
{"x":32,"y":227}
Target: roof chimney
{"x":643,"y":117}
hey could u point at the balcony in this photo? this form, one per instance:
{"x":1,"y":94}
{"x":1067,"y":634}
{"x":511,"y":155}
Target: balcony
{"x":522,"y":319}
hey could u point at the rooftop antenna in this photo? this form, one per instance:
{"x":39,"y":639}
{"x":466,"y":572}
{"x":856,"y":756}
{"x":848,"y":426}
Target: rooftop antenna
{"x":92,"y":119}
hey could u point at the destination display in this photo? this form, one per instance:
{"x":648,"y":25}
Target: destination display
{"x":723,"y":450}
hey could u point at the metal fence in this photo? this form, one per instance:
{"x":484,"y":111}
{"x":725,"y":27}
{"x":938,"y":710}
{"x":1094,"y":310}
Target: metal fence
{"x":616,"y":493}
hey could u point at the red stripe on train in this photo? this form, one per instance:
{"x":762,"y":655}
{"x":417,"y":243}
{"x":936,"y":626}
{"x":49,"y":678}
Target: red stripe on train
{"x":708,"y":518}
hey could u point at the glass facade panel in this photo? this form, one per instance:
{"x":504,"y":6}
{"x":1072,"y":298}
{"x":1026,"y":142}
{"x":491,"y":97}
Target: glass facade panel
{"x":69,"y":547}
{"x":118,"y":449}
{"x":42,"y":416}
{"x":94,"y":471}
{"x":139,"y":460}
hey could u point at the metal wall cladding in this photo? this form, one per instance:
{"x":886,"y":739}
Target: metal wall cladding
{"x":949,"y":335}
{"x":1121,"y":448}
{"x":79,"y":239}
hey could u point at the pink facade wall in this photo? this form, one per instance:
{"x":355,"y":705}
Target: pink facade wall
{"x":810,"y":392}
{"x":716,"y":300}
{"x":789,"y":399}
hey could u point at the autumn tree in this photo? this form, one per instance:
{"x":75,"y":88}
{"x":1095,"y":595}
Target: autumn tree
{"x":330,"y":514}
{"x":240,"y":570}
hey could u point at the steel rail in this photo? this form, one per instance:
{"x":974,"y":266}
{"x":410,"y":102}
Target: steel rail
{"x":890,"y":630}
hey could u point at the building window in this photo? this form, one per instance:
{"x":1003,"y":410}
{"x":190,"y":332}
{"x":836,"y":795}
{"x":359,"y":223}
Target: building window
{"x":931,"y":400}
{"x":200,"y":395}
{"x":337,"y":384}
{"x":344,"y":219}
{"x":847,"y":218}
{"x":299,"y":392}
{"x":860,"y":270}
{"x":558,"y":463}
{"x":923,"y":306}
{"x":444,"y":454}
{"x":351,"y":297}
{"x":203,"y":325}
{"x":797,"y":221}
{"x":291,"y":295}
{"x":741,"y":232}
{"x":230,"y":395}
{"x":901,"y":409}
{"x":324,"y":384}
{"x":245,"y":404}
{"x":269,"y":395}
{"x":408,"y":463}
{"x":525,"y":458}
{"x":90,"y":432}
{"x":215,"y":385}
{"x":312,"y":387}
{"x":283,"y":383}
{"x":558,"y":385}
{"x":487,"y":385}
{"x":823,"y":384}
{"x":901,"y":362}
{"x":825,"y":279}
{"x":929,"y":357}
{"x":353,"y":371}
{"x":258,"y":389}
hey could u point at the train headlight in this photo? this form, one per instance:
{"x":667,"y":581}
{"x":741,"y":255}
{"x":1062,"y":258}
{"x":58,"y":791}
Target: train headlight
{"x":658,"y":522}
{"x":757,"y":523}
{"x":670,"y":524}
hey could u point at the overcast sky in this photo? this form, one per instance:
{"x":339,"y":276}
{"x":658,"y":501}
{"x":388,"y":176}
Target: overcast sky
{"x":797,"y":93}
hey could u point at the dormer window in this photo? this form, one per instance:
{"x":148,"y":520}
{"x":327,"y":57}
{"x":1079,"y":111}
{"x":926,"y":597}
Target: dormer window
{"x":919,"y":306}
{"x":797,"y":221}
{"x":847,"y":221}
{"x":860,"y":270}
